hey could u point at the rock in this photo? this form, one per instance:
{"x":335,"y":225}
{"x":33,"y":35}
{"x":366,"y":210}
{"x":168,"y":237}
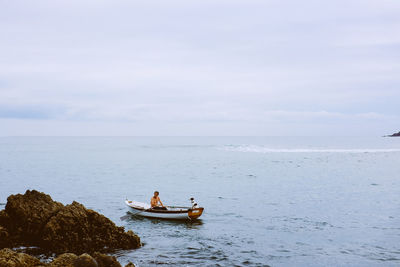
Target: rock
{"x":77,"y":229}
{"x":4,"y":238}
{"x":34,"y":219}
{"x":28,"y":213}
{"x":130,"y":265}
{"x":85,"y":260}
{"x":4,"y":219}
{"x":105,"y":260}
{"x":395,"y":135}
{"x":9,"y":258}
{"x":64,"y":260}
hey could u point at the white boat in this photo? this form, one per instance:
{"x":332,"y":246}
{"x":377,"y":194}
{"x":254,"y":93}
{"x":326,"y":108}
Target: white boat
{"x":170,"y":212}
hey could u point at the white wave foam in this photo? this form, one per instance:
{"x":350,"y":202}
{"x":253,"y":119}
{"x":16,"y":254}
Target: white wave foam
{"x":262,"y":149}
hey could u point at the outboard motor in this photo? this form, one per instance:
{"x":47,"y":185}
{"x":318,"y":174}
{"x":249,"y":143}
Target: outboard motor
{"x":194,"y":204}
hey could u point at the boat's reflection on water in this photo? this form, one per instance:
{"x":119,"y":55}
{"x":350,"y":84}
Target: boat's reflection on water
{"x":130,"y":217}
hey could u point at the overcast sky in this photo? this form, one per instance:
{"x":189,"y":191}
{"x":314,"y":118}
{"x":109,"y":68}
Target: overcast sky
{"x":210,"y":67}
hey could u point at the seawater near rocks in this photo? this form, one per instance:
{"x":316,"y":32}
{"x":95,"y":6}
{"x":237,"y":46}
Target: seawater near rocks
{"x":35,"y":219}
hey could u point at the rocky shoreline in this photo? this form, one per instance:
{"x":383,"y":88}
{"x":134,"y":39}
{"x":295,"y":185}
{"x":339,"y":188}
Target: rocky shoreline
{"x":66,"y":231}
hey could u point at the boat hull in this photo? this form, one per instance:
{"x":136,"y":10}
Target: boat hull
{"x":172,"y":213}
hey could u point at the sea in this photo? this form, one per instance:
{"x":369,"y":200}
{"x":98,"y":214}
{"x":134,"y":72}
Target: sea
{"x":269,"y":201}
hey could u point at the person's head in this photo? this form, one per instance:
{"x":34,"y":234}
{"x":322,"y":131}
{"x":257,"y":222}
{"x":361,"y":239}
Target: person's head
{"x":156,"y":193}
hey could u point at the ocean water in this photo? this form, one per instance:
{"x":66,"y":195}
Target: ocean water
{"x":277,"y":201}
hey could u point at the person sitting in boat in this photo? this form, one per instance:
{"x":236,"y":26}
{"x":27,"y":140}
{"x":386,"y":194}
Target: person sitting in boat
{"x":155,"y":200}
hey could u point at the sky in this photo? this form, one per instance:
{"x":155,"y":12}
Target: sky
{"x":199,"y":68}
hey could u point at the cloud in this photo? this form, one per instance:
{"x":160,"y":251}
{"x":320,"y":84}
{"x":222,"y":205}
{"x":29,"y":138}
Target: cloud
{"x":236,"y":63}
{"x":29,"y":112}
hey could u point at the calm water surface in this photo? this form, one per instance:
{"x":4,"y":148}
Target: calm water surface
{"x":278,"y":201}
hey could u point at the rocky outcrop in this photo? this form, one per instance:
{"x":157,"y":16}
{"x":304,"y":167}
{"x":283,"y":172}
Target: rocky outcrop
{"x":25,"y":215}
{"x":5,"y":240}
{"x":395,"y":135}
{"x":107,"y":261}
{"x":85,"y":260}
{"x":77,"y":229}
{"x":10,"y":258}
{"x":34,"y":219}
{"x":64,"y":260}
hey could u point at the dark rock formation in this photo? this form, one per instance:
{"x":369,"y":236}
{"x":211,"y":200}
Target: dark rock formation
{"x":105,"y":260}
{"x":4,"y":238}
{"x":27,"y":214}
{"x":85,"y":260}
{"x":77,"y":229}
{"x":4,"y":219}
{"x":34,"y":219}
{"x":64,"y":260}
{"x":395,"y":135}
{"x":10,"y":258}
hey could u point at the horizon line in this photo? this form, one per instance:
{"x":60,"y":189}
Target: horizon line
{"x":7,"y":136}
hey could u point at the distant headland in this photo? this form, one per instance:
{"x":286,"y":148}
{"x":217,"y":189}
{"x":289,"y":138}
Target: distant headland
{"x":394,"y":135}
